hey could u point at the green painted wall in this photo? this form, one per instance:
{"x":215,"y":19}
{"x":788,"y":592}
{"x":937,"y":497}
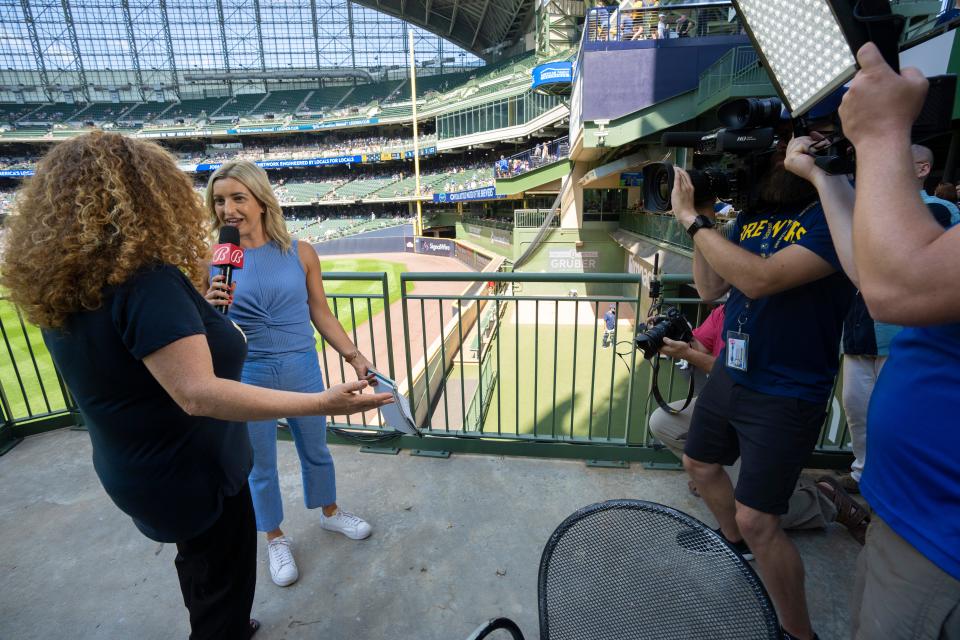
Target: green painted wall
{"x":446,"y":219}
{"x":559,"y":253}
{"x":500,"y":241}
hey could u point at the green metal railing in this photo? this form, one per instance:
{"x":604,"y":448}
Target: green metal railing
{"x":523,"y":402}
{"x":533,"y":218}
{"x":497,"y":223}
{"x":487,"y":369}
{"x":662,"y":228}
{"x":33,"y":396}
{"x":358,"y":314}
{"x":739,"y":66}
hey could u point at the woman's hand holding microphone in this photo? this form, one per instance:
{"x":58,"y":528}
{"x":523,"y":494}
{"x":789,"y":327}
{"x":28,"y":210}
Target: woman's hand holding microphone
{"x":220,"y":293}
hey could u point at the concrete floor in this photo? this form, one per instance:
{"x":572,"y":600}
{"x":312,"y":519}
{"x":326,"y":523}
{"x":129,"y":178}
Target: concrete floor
{"x":455,"y":542}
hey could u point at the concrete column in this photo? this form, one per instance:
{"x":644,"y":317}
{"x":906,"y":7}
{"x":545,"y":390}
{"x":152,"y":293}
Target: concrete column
{"x":571,"y":198}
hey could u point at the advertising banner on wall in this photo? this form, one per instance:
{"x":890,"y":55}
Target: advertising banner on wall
{"x":552,"y":73}
{"x":573,"y":260}
{"x":315,"y":126}
{"x":281,"y":164}
{"x":435,"y":247}
{"x":484,"y":193}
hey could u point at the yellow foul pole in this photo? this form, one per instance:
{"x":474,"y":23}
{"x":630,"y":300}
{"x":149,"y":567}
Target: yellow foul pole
{"x":418,"y":228}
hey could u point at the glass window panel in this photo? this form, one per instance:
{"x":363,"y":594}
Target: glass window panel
{"x":108,"y":53}
{"x":16,"y":52}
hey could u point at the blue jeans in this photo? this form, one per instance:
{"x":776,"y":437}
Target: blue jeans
{"x":288,"y":372}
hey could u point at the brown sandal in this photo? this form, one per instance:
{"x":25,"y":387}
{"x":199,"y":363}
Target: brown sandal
{"x":849,"y":512}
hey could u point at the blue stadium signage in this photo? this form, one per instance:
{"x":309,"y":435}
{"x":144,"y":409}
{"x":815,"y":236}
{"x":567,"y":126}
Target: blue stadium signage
{"x":16,"y":173}
{"x":356,"y":122}
{"x":552,"y":73}
{"x":485,"y":193}
{"x":281,"y":164}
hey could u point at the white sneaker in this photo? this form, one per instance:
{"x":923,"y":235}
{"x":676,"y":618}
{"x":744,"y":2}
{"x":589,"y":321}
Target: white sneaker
{"x":283,"y":569}
{"x":352,"y":526}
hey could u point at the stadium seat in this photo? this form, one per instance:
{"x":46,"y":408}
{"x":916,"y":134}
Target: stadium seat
{"x":240,"y":105}
{"x":281,"y":102}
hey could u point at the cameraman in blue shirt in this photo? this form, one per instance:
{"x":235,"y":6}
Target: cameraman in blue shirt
{"x":766,"y":399}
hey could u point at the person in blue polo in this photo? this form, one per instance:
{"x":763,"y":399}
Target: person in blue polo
{"x":907,"y":583}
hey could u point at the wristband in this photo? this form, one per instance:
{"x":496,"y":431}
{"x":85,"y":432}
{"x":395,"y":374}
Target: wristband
{"x":353,"y":356}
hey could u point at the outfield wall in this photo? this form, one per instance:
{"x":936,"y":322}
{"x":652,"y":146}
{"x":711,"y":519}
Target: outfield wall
{"x":392,"y":240}
{"x":442,"y":351}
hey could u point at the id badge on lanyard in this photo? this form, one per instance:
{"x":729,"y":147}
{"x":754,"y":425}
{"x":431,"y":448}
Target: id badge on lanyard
{"x":738,"y":344}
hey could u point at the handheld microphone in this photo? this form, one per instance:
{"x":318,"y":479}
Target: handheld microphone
{"x":227,"y":256}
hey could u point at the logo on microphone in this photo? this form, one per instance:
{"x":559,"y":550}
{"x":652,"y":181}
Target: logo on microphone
{"x":227,"y":254}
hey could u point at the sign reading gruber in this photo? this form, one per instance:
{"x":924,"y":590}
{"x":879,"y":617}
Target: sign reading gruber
{"x":573,"y":260}
{"x":435,"y":247}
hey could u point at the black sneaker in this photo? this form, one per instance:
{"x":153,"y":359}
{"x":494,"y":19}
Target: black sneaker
{"x":698,"y":542}
{"x":740,"y":547}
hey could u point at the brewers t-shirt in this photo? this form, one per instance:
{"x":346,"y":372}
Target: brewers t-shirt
{"x":794,"y":335}
{"x":167,"y":470}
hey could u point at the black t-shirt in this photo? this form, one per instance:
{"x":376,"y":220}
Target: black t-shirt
{"x":164,"y":468}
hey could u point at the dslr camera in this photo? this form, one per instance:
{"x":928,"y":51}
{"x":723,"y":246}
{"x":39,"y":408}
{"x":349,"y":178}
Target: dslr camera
{"x":669,"y":323}
{"x":732,"y":156}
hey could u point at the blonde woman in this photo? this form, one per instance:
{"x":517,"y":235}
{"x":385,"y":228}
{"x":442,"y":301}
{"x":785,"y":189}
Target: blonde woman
{"x":278,"y":299}
{"x":105,"y":255}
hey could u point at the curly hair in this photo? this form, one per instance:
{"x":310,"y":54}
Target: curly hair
{"x":101,"y":207}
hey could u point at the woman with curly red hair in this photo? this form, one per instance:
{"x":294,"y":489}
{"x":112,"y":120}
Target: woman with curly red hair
{"x":105,"y":252}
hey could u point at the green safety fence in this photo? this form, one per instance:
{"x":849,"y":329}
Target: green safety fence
{"x":502,"y":372}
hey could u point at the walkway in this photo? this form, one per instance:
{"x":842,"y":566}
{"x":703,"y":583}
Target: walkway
{"x":455,"y":542}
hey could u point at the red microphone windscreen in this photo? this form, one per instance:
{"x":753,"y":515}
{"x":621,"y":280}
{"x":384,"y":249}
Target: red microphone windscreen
{"x":228,"y":252}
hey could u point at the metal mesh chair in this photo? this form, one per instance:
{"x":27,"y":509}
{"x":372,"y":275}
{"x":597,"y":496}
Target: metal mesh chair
{"x":630,"y":569}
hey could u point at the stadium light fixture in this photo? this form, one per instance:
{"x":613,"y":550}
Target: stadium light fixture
{"x":809,"y":46}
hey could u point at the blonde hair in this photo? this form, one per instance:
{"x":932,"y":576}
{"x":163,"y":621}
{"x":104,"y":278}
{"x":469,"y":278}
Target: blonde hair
{"x":255,"y":180}
{"x":101,"y":207}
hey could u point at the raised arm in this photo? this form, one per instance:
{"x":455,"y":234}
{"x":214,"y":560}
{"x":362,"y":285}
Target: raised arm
{"x":905,"y":261}
{"x":710,"y":285}
{"x":755,"y":276}
{"x":836,"y":196}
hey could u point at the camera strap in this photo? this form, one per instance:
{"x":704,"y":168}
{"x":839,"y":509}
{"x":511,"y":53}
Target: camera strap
{"x":655,"y":390}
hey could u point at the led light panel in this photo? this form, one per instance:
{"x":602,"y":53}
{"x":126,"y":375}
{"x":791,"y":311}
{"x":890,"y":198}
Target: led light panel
{"x":804,"y":47}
